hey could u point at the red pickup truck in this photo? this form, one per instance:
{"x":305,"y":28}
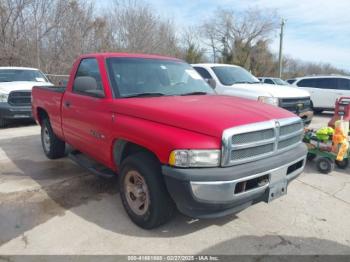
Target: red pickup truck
{"x":174,"y":143}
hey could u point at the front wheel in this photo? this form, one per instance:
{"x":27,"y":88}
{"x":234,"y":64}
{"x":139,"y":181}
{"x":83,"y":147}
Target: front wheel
{"x":325,"y":165}
{"x":143,"y":191}
{"x":53,"y":146}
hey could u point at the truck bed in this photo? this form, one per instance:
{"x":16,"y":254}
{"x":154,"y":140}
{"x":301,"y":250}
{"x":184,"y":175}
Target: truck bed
{"x":58,"y":89}
{"x":50,"y":99}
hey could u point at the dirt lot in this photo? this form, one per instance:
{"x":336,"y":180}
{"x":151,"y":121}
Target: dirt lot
{"x":56,"y":207}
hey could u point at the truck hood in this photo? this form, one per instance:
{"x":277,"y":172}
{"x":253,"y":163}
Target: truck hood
{"x":206,"y":114}
{"x":278,"y":91}
{"x":7,"y":87}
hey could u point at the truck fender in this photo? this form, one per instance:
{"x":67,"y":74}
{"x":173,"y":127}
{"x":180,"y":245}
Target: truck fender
{"x":122,"y":148}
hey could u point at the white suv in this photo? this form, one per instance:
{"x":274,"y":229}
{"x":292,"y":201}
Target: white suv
{"x":324,"y":90}
{"x":236,"y":81}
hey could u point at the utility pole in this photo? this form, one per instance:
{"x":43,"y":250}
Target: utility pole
{"x":280,"y":58}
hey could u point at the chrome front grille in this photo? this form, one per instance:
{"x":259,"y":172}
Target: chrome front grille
{"x":296,"y":104}
{"x":250,"y":152}
{"x":255,"y":141}
{"x":253,"y":136}
{"x":290,"y":141}
{"x":20,"y":98}
{"x":285,"y":130}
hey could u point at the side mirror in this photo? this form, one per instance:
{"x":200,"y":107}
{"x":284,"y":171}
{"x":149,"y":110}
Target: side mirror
{"x":87,"y":85}
{"x":211,"y":82}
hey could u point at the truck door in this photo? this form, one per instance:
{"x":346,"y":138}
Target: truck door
{"x":86,"y":121}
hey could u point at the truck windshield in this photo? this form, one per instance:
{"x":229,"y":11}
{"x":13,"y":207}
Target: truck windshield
{"x":12,"y":75}
{"x":133,"y":77}
{"x":230,"y":75}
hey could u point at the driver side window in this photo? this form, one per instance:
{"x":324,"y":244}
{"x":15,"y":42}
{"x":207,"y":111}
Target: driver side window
{"x":88,"y":67}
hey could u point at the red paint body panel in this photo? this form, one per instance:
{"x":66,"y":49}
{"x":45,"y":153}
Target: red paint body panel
{"x":160,"y":124}
{"x":209,"y":114}
{"x":51,"y":103}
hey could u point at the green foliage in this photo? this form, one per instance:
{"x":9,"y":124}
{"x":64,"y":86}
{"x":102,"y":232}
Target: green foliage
{"x":193,"y":54}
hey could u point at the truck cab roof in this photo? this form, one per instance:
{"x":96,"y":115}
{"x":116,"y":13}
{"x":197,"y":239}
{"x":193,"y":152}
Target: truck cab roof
{"x":128,"y":55}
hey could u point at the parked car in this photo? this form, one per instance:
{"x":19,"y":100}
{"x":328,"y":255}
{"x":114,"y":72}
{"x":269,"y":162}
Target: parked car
{"x":290,"y":81}
{"x":15,"y":92}
{"x":273,"y":81}
{"x":324,"y":90}
{"x":236,"y":81}
{"x":172,"y":140}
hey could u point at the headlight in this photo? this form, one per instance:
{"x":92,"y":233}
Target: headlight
{"x":268,"y":100}
{"x":3,"y":97}
{"x":195,"y":158}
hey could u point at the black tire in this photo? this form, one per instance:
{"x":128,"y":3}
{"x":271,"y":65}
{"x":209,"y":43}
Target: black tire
{"x":3,"y":123}
{"x":342,"y":164}
{"x":161,"y":207}
{"x":325,"y":165}
{"x":54,"y":147}
{"x":310,"y":157}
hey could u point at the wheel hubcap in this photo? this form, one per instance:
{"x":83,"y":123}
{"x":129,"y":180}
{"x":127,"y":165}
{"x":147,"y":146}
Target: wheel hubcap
{"x":46,"y":139}
{"x":136,"y":192}
{"x":324,"y":165}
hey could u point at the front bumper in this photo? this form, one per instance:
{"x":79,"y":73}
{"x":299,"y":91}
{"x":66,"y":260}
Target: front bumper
{"x":306,"y":116}
{"x":212,"y":192}
{"x":8,"y":111}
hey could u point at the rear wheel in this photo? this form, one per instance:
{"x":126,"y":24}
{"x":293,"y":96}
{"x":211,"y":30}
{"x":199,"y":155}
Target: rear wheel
{"x":143,"y":191}
{"x":310,"y":156}
{"x":53,"y":146}
{"x":325,"y":165}
{"x":342,"y":164}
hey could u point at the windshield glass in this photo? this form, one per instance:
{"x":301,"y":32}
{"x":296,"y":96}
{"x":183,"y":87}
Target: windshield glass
{"x":136,"y":77}
{"x":11,"y":75}
{"x":229,"y":75}
{"x":279,"y":81}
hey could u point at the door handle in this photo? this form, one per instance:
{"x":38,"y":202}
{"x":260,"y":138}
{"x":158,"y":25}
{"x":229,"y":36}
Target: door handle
{"x":67,"y":103}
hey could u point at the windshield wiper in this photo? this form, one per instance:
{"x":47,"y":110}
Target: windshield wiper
{"x":194,"y":93}
{"x":144,"y":95}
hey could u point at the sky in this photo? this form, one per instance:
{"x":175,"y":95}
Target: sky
{"x":315,"y":30}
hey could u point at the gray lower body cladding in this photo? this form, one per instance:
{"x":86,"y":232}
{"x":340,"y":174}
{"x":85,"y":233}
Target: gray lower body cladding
{"x":215,"y":192}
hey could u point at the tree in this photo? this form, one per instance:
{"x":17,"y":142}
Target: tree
{"x":190,"y":48}
{"x":235,"y":36}
{"x":136,"y":28}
